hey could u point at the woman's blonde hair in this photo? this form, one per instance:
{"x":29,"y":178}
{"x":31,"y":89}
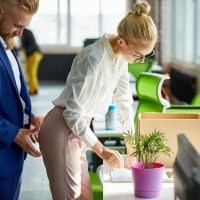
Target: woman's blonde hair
{"x":138,"y":25}
{"x":30,"y":6}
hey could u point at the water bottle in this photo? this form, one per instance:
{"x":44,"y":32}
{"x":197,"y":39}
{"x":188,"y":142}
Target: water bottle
{"x":111,"y":117}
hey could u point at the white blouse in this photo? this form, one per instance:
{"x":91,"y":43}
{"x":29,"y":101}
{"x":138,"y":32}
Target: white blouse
{"x":95,"y":78}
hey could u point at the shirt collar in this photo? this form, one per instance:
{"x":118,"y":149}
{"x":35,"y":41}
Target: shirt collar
{"x":3,"y":43}
{"x":108,"y":46}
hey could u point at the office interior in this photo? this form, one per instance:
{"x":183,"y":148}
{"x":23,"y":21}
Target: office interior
{"x":67,"y":26}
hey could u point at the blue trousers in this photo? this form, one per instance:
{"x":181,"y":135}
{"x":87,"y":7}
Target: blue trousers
{"x":10,"y":186}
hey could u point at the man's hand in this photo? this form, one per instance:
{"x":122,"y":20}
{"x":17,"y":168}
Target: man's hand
{"x":36,"y":121}
{"x":23,"y":139}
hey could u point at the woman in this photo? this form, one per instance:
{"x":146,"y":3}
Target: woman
{"x":98,"y":73}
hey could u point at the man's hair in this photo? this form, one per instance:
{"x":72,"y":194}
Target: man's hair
{"x":30,"y":6}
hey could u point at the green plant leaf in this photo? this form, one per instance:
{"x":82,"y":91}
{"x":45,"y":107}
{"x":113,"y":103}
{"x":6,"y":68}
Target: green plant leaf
{"x":148,"y":147}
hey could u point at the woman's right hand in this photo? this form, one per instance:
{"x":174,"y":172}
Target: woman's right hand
{"x":112,"y":157}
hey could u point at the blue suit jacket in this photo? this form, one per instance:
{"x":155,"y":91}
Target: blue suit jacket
{"x":11,"y":116}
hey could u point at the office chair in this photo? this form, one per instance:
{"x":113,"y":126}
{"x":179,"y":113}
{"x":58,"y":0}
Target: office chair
{"x":96,"y":183}
{"x":148,"y":88}
{"x":136,"y":68}
{"x":193,"y":107}
{"x":196,"y":100}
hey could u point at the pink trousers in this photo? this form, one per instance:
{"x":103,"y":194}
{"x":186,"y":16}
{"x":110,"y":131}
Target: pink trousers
{"x":64,"y":156}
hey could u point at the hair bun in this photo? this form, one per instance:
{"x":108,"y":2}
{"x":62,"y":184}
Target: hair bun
{"x":142,"y":8}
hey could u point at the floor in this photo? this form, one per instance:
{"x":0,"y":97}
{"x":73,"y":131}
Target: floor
{"x":35,"y":184}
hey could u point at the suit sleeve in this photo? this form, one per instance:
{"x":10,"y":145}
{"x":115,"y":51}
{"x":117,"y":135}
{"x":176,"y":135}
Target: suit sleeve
{"x":8,"y":132}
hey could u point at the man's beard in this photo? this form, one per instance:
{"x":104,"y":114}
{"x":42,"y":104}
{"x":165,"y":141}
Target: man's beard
{"x":8,"y":39}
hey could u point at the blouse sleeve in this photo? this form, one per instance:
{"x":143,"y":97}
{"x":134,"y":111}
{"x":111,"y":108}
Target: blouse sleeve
{"x":80,"y":85}
{"x":124,"y":101}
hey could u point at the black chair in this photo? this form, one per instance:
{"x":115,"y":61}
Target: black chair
{"x":186,"y":171}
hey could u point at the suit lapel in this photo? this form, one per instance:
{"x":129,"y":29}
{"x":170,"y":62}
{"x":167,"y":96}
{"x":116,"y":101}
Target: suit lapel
{"x":8,"y":66}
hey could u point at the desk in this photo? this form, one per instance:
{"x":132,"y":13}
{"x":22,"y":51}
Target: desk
{"x":110,"y":138}
{"x":125,"y":191}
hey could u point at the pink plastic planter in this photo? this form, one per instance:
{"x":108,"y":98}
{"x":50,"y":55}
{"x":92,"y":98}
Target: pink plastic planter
{"x":147,"y":182}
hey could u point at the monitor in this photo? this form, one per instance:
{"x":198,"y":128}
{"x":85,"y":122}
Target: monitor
{"x":183,"y":86}
{"x":186,"y":171}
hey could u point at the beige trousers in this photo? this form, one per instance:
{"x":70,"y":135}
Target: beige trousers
{"x":64,"y":158}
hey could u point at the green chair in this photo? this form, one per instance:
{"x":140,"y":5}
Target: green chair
{"x":183,"y":109}
{"x":148,"y":88}
{"x":196,"y":100}
{"x":96,"y":183}
{"x":193,"y":107}
{"x":136,"y":68}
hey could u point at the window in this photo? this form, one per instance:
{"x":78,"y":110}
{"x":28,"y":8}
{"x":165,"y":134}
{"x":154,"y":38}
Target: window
{"x":197,"y":32}
{"x":44,"y":23}
{"x":70,"y":22}
{"x":84,"y":20}
{"x":185,"y":42}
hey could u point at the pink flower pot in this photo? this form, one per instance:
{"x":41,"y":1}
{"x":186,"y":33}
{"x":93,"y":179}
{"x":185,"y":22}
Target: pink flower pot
{"x":147,"y":182}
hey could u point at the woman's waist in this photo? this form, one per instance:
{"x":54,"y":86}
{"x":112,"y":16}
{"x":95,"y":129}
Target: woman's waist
{"x":86,"y":117}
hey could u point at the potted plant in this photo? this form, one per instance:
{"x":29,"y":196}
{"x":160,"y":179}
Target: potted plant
{"x":147,"y":174}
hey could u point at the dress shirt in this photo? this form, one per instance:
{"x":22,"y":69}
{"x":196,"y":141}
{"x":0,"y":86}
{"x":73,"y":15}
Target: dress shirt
{"x":96,"y":77}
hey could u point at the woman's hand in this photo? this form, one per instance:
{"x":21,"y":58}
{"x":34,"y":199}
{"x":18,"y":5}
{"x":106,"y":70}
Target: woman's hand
{"x":113,"y":158}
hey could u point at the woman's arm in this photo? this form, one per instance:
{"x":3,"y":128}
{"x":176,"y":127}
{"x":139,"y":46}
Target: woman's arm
{"x":113,"y":158}
{"x":124,"y":101}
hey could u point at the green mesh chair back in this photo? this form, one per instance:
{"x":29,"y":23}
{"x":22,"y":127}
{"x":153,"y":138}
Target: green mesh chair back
{"x":136,"y":68}
{"x":148,"y":88}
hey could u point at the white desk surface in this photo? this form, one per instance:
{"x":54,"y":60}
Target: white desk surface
{"x":125,"y":191}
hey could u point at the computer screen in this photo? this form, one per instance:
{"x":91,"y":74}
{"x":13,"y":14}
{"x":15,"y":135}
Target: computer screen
{"x":183,"y":86}
{"x":186,"y":171}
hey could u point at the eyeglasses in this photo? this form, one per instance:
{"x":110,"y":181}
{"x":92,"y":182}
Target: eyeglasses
{"x":140,"y":60}
{"x":150,"y":55}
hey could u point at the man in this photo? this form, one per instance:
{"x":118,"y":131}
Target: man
{"x":15,"y":105}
